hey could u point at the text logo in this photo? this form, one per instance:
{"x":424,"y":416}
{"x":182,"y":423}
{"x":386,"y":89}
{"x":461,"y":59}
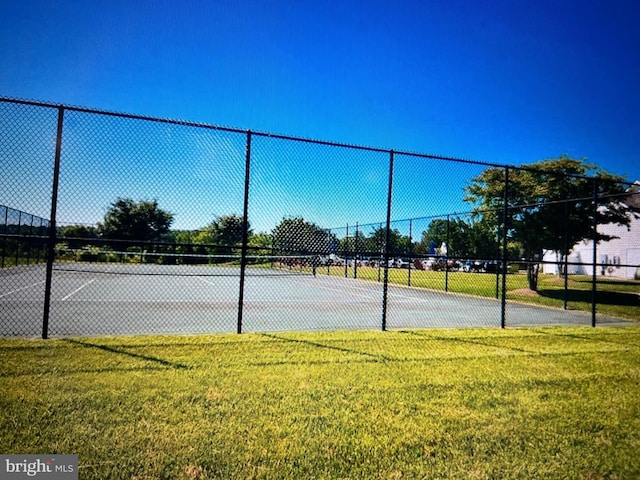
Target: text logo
{"x":49,"y":467}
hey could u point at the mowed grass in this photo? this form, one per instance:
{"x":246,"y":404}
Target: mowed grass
{"x":553,"y":403}
{"x":615,"y":297}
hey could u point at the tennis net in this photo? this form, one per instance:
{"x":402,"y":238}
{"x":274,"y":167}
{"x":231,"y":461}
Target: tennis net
{"x":111,"y":262}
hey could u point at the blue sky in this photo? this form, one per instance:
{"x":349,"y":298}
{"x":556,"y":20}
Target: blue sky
{"x":497,"y":81}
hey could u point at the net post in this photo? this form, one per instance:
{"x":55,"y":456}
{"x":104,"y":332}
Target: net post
{"x":245,"y":232}
{"x":51,"y":244}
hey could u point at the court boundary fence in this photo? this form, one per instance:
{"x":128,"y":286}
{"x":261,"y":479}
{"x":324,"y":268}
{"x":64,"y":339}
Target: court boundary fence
{"x":47,"y":230}
{"x":22,"y":242}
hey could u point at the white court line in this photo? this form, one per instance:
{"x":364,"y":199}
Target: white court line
{"x":66,"y":297}
{"x":77,"y":290}
{"x":20,"y":289}
{"x":206,"y":281}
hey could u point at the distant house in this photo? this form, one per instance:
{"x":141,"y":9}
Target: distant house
{"x":619,"y":257}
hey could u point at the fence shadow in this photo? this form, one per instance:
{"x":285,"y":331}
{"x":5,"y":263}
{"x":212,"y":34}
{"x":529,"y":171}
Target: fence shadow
{"x":149,"y":358}
{"x":609,"y":281}
{"x":369,"y":356}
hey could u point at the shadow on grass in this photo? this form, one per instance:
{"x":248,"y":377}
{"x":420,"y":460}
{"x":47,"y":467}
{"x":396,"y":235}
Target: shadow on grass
{"x":474,"y":342}
{"x":585,"y":296}
{"x":74,"y":371}
{"x":608,"y":281}
{"x":149,"y":358}
{"x":599,"y":339}
{"x":372,"y":356}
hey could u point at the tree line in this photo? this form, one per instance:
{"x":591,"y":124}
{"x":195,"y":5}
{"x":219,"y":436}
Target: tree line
{"x":551,"y":205}
{"x":130,"y":225}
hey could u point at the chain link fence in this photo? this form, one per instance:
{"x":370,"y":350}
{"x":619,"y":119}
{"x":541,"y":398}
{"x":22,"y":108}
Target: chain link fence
{"x":142,"y":225}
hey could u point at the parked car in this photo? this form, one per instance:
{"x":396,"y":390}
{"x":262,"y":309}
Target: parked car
{"x":493,"y":267}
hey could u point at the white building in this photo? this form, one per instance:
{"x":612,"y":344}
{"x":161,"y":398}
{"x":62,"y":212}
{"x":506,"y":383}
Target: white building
{"x":619,"y":257}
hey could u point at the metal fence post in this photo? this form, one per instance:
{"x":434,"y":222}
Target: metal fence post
{"x":346,"y":253}
{"x":594,"y":288}
{"x":18,"y":237}
{"x":385,"y":286}
{"x":51,"y":244}
{"x":29,"y":242}
{"x":4,"y":239}
{"x":380,"y":258}
{"x":245,"y":231}
{"x":503,"y":267}
{"x":410,"y":252}
{"x":565,"y":303}
{"x":355,"y":253}
{"x":446,"y":256}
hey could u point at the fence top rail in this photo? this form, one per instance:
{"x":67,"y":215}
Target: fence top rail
{"x":52,"y":105}
{"x":8,"y":209}
{"x":203,"y":125}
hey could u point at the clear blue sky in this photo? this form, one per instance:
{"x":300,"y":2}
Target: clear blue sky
{"x":501,"y":81}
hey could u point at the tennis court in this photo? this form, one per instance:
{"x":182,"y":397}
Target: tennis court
{"x":111,"y":299}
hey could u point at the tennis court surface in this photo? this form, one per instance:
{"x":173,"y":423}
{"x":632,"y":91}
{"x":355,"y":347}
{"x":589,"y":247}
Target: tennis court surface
{"x":96,"y":300}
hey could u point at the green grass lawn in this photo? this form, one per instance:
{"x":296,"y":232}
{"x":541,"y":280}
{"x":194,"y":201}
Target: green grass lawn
{"x":553,"y":403}
{"x":617,"y":298}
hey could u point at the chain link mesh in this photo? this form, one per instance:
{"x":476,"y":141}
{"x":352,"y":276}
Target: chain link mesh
{"x":27,"y":145}
{"x":164,"y":226}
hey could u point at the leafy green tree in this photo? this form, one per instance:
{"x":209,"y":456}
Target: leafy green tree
{"x":483,"y":241}
{"x":142,"y":221}
{"x":77,"y":236}
{"x":398,"y":244}
{"x":550,"y":205}
{"x":260,"y":242}
{"x":444,"y":230}
{"x":463,"y":239}
{"x":354,"y":244}
{"x":223,"y":237}
{"x":374,"y":243}
{"x":190,"y":243}
{"x":78,"y":231}
{"x":297,"y":236}
{"x":227,"y":230}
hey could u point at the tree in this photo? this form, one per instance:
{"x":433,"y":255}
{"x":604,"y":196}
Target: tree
{"x":398,"y":244}
{"x":465,"y":239}
{"x":77,"y":236}
{"x":142,"y":221}
{"x":550,"y":205}
{"x":260,"y":242}
{"x":227,"y":230}
{"x":297,"y":236}
{"x":451,"y":231}
{"x":353,"y":244}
